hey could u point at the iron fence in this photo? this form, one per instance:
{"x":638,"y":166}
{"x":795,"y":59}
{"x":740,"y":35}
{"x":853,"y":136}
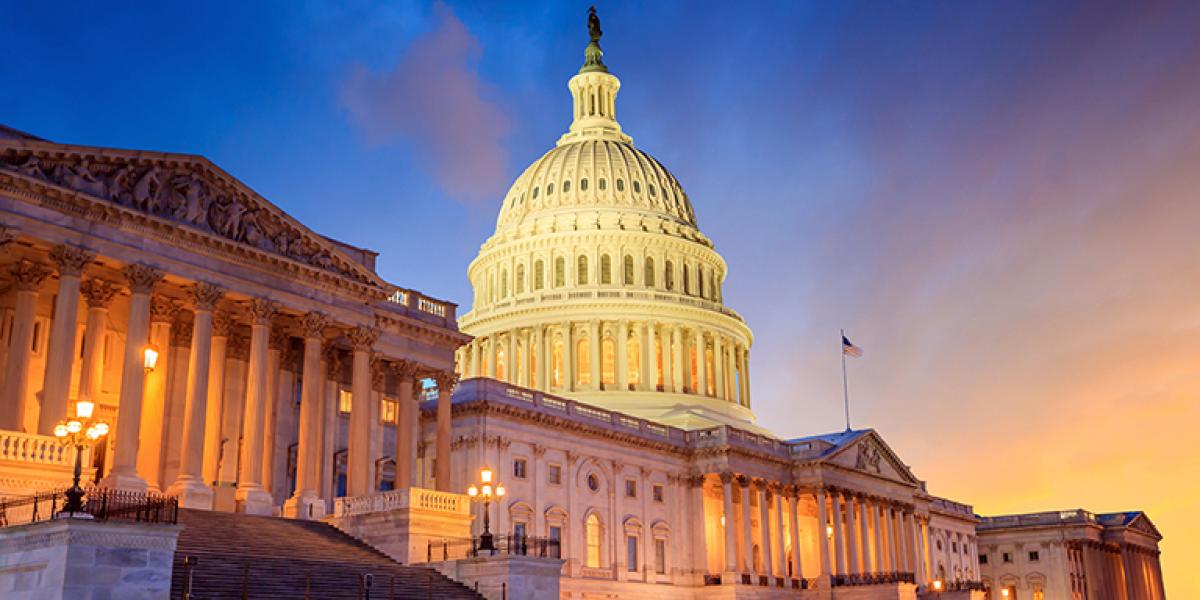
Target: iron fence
{"x":522,"y":545}
{"x":103,"y":504}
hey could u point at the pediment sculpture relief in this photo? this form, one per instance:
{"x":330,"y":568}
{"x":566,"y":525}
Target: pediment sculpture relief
{"x":868,"y":458}
{"x":177,"y":193}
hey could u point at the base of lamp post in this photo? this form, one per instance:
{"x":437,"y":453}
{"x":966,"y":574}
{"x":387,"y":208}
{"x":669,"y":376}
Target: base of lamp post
{"x":485,"y":542}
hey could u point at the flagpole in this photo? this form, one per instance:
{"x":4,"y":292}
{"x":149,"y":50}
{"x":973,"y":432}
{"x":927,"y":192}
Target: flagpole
{"x":845,"y":386}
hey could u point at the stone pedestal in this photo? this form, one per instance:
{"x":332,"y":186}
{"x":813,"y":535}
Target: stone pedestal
{"x":309,"y":507}
{"x":501,"y":577}
{"x":83,"y":558}
{"x":402,"y":523}
{"x":192,"y":493}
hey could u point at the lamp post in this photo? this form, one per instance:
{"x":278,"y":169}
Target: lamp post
{"x":484,"y":492}
{"x":81,"y":431}
{"x":937,"y":587}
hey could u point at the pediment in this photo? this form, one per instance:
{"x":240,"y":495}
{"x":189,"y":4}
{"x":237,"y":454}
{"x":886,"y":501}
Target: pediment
{"x":185,"y":189}
{"x":868,"y":453}
{"x":1141,"y":523}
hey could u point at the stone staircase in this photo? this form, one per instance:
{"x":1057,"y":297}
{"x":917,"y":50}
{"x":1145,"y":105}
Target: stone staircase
{"x":244,"y":556}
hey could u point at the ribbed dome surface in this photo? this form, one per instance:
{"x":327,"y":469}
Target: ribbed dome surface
{"x":591,"y":174}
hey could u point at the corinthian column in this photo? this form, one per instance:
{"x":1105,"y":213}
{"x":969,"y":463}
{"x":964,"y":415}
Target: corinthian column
{"x":764,"y":527}
{"x":728,"y":524}
{"x":189,"y":487}
{"x":163,"y":311}
{"x":306,"y":503}
{"x":676,"y":354}
{"x":358,"y":457}
{"x":251,"y":497}
{"x":99,"y":294}
{"x":445,"y":383}
{"x":622,"y":343}
{"x":408,"y":417}
{"x":27,"y":278}
{"x":718,"y":367}
{"x":649,"y":378}
{"x":221,"y":324}
{"x":278,"y":354}
{"x":124,"y":476}
{"x":70,"y":261}
{"x":794,"y":524}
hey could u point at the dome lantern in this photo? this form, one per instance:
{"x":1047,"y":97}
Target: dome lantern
{"x":594,"y":90}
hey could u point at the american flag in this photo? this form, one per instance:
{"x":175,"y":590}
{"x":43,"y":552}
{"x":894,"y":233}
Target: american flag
{"x":850,"y":349}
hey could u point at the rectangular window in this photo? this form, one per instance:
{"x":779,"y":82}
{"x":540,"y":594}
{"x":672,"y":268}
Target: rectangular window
{"x":519,"y":466}
{"x":630,"y":488}
{"x":344,"y":398}
{"x":1033,"y":556}
{"x":660,"y":556}
{"x":518,"y":531}
{"x":983,"y":559}
{"x":1007,"y":557}
{"x":554,"y":474}
{"x":658,"y":493}
{"x":388,"y":410}
{"x":555,"y":549}
{"x":631,"y":553}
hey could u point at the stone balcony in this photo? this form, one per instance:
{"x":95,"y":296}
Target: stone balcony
{"x":31,"y":462}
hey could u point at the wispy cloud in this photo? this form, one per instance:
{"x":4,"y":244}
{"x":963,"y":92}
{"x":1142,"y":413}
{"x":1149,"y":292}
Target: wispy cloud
{"x":435,"y":99}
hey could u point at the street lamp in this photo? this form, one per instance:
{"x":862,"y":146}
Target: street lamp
{"x":937,"y":587}
{"x":484,"y":492}
{"x":81,"y":431}
{"x":1004,"y":592}
{"x":150,"y":357}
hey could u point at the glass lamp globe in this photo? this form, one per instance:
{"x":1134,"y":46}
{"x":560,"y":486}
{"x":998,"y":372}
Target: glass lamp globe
{"x":499,"y":490}
{"x":84,"y":409}
{"x":472,"y":491}
{"x":74,"y":426}
{"x":485,"y":475}
{"x":60,"y":430}
{"x":101,"y":428}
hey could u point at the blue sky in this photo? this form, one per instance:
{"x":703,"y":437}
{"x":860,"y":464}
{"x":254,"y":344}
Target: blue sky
{"x":996,"y":200}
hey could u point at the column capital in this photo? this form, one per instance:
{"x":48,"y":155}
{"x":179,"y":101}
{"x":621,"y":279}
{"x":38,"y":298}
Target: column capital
{"x":205,"y":295}
{"x":743,"y":480}
{"x":262,"y":310}
{"x":446,"y":380}
{"x":405,"y":370}
{"x":141,"y":278}
{"x":181,"y":334}
{"x":313,"y":324}
{"x":71,"y":259}
{"x":363,"y":337}
{"x":163,"y":309}
{"x":99,"y":293}
{"x":726,"y":477}
{"x":695,"y":481}
{"x":760,"y":484}
{"x":29,"y":275}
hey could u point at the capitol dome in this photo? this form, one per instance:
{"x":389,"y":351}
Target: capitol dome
{"x":598,"y":284}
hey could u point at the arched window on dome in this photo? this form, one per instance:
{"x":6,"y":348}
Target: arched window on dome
{"x":712,"y":286}
{"x":652,"y":191}
{"x":648,"y":272}
{"x":583,"y":363}
{"x":603,"y":184}
{"x":620,"y":185}
{"x":700,"y":281}
{"x":687,"y":284}
{"x":560,"y":272}
{"x":504,"y":283}
{"x":556,"y":374}
{"x":520,"y":279}
{"x":605,"y":269}
{"x":628,"y":270}
{"x":549,"y":189}
{"x":633,"y":354}
{"x":593,"y":536}
{"x":608,"y":362}
{"x":566,"y":186}
{"x":669,"y":276}
{"x":637,"y":186}
{"x":583,"y":183}
{"x":581,"y":274}
{"x":535,"y":192}
{"x":539,"y":275}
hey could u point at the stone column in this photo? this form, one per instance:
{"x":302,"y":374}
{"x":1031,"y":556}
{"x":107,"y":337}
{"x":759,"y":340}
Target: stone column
{"x":190,"y":485}
{"x":864,"y":536}
{"x":510,"y":359}
{"x":729,"y":523}
{"x":543,"y":359}
{"x":152,"y":436}
{"x":746,"y":378}
{"x":358,"y":457}
{"x":700,"y":346}
{"x":764,"y":527}
{"x":822,"y":538}
{"x":27,"y":278}
{"x":305,"y":502}
{"x":176,"y":405}
{"x":407,"y":423}
{"x":622,"y":343}
{"x":222,"y":322}
{"x":676,"y":354}
{"x":794,"y":516}
{"x":718,"y":367}
{"x":839,"y":552}
{"x":877,"y":527}
{"x":747,"y":528}
{"x":780,"y":543}
{"x":333,"y":365}
{"x":251,"y":497}
{"x":124,"y":474}
{"x":472,"y":368}
{"x":60,"y":353}
{"x":851,"y":536}
{"x":493,"y":346}
{"x":99,"y":294}
{"x":594,"y":356}
{"x":649,"y":378}
{"x":914,"y":557}
{"x":279,"y":357}
{"x":445,"y":382}
{"x":890,"y":532}
{"x":568,"y":363}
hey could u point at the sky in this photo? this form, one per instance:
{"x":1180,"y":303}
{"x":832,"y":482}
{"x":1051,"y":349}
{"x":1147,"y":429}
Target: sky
{"x":997,"y":201}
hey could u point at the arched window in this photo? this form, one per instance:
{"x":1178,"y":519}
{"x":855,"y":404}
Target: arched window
{"x":549,"y":188}
{"x":628,"y":270}
{"x":648,"y":272}
{"x":634,"y":361}
{"x":583,"y":184}
{"x":603,"y":184}
{"x":605,"y":269}
{"x":637,"y":186}
{"x":583,"y":363}
{"x":592,"y":529}
{"x":560,"y":272}
{"x":700,"y":281}
{"x":581,"y":274}
{"x":504,"y":283}
{"x":557,"y":374}
{"x":669,"y":276}
{"x":566,"y":186}
{"x":620,"y":185}
{"x":539,"y":275}
{"x":535,"y":192}
{"x":608,"y":361}
{"x":520,"y":279}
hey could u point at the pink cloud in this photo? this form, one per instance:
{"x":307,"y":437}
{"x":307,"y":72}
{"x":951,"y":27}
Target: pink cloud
{"x":434,"y":99}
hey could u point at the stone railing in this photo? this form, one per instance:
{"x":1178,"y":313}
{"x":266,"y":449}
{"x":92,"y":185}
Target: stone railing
{"x":416,"y":304}
{"x":1043,"y":518}
{"x":410,"y":498}
{"x":602,"y":293}
{"x":34,"y":449}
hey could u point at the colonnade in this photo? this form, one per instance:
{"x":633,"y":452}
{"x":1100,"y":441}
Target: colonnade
{"x":860,"y":538}
{"x":153,"y":325}
{"x":644,"y":356}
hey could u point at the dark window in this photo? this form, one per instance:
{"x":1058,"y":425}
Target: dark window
{"x":630,"y":488}
{"x":554,"y":474}
{"x":518,"y":531}
{"x":631,"y":553}
{"x":583,"y":184}
{"x":593,"y":482}
{"x":566,"y":186}
{"x":1033,"y":556}
{"x":660,"y":556}
{"x":603,"y":183}
{"x":555,"y":549}
{"x":983,"y":559}
{"x":535,"y":191}
{"x":620,"y":185}
{"x":519,"y":468}
{"x":637,"y":186}
{"x":1007,"y":557}
{"x":549,"y":188}
{"x":658,"y":493}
